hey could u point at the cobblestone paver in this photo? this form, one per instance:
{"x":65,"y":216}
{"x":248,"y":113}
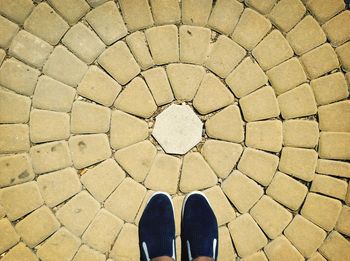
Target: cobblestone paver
{"x":85,"y":137}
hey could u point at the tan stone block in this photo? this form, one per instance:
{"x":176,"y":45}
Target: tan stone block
{"x":329,"y":186}
{"x":60,"y":246}
{"x":14,"y":108}
{"x":165,"y":12}
{"x":246,"y":235}
{"x":297,"y":102}
{"x":9,"y":236}
{"x":126,"y":200}
{"x":18,"y":76}
{"x":196,"y":173}
{"x":139,"y":48}
{"x":107,"y":22}
{"x":164,"y":174}
{"x":246,"y":78}
{"x":136,"y":99}
{"x":58,"y":186}
{"x":274,"y":43}
{"x":226,"y":125}
{"x":2,"y":212}
{"x":20,"y":251}
{"x":320,"y":61}
{"x":264,"y":135}
{"x":221,"y":206}
{"x":259,"y":105}
{"x":144,"y":203}
{"x":282,"y":249}
{"x":178,"y":202}
{"x":242,"y":191}
{"x":8,"y":31}
{"x":225,"y":15}
{"x":37,"y":226}
{"x":194,"y":44}
{"x":53,"y":95}
{"x":2,"y":55}
{"x":343,"y":52}
{"x":64,"y":66}
{"x":329,"y":116}
{"x":300,"y":133}
{"x":137,"y":159}
{"x":334,"y":145}
{"x":258,"y":165}
{"x":89,"y":149}
{"x":304,"y":235}
{"x":317,"y":257}
{"x":136,"y":13}
{"x":126,"y":247}
{"x":224,"y":56}
{"x":263,"y":7}
{"x":343,"y":225}
{"x":306,"y":35}
{"x":336,"y":30}
{"x":118,"y":61}
{"x":88,"y":254}
{"x":177,"y":246}
{"x":225,"y":248}
{"x":102,"y":231}
{"x":163,"y":43}
{"x":221,"y":156}
{"x":16,"y":10}
{"x":71,"y":11}
{"x":258,"y":256}
{"x":159,"y":85}
{"x":287,"y":191}
{"x":321,"y":210}
{"x":14,"y":138}
{"x":45,"y":23}
{"x":335,"y":247}
{"x":20,"y":200}
{"x":185,"y":80}
{"x":325,"y":11}
{"x":196,"y":12}
{"x":333,"y":168}
{"x":78,"y":212}
{"x":287,"y":75}
{"x":30,"y":49}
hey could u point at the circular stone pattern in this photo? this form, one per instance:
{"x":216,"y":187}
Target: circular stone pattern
{"x":104,"y":102}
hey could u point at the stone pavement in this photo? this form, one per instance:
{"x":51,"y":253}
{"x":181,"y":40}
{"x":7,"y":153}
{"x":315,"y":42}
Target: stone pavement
{"x":104,"y":102}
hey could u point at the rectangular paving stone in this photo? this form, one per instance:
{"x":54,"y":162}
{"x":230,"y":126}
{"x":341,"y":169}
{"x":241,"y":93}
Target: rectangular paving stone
{"x":257,"y":256}
{"x":64,"y":66}
{"x":333,"y":168}
{"x":196,"y":12}
{"x":14,"y":138}
{"x":58,"y":186}
{"x":86,"y":253}
{"x":18,"y":76}
{"x":136,"y":13}
{"x":107,"y":22}
{"x":281,"y":249}
{"x":343,"y":225}
{"x":71,"y":11}
{"x":126,"y":247}
{"x":89,"y":149}
{"x":14,"y":108}
{"x":8,"y":31}
{"x":329,"y":116}
{"x":118,"y":61}
{"x":263,"y":7}
{"x":16,"y":10}
{"x":15,"y":169}
{"x":334,"y":145}
{"x":50,"y":156}
{"x":165,"y":11}
{"x":177,"y":202}
{"x":20,"y":251}
{"x":9,"y":236}
{"x":343,"y":52}
{"x":300,"y":133}
{"x":225,"y":248}
{"x":325,"y":11}
{"x":20,"y":200}
{"x":177,"y":208}
{"x":335,"y":247}
{"x":45,"y":23}
{"x":335,"y":30}
{"x":37,"y":226}
{"x":329,"y":186}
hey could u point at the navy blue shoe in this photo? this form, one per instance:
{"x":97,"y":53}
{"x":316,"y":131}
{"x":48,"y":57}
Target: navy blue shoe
{"x":199,"y":228}
{"x":157,"y":228}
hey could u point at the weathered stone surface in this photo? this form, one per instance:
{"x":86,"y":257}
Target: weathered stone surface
{"x":343,"y":225}
{"x":126,"y":247}
{"x":136,"y":13}
{"x":9,"y":236}
{"x":137,"y":159}
{"x":78,"y":212}
{"x":325,"y":11}
{"x":145,"y":200}
{"x":139,"y":48}
{"x":136,"y":99}
{"x":18,"y":76}
{"x":14,"y":108}
{"x":45,"y":23}
{"x":58,"y":186}
{"x":20,"y":251}
{"x":53,"y":95}
{"x":20,"y":200}
{"x":329,"y":116}
{"x":257,"y":256}
{"x":185,"y":80}
{"x":282,"y":249}
{"x":242,"y":191}
{"x":8,"y":31}
{"x":89,"y":149}
{"x":263,"y":7}
{"x":225,"y":249}
{"x":333,"y":168}
{"x":178,"y":202}
{"x":37,"y":226}
{"x":2,"y":55}
{"x":317,"y":257}
{"x":335,"y":30}
{"x":165,"y":12}
{"x":125,"y":201}
{"x":297,"y":102}
{"x":287,"y":191}
{"x":334,"y":145}
{"x":71,"y":11}
{"x":16,"y":10}
{"x":300,"y":133}
{"x":224,"y":56}
{"x":196,"y":173}
{"x":221,"y":156}
{"x":259,"y":105}
{"x":247,"y":235}
{"x":196,"y":13}
{"x":225,"y":15}
{"x":101,"y":180}
{"x":88,"y":254}
{"x":335,"y":247}
{"x":107,"y":22}
{"x":14,"y":138}
{"x":102,"y":231}
{"x":329,"y":186}
{"x":343,"y":52}
{"x":163,"y":43}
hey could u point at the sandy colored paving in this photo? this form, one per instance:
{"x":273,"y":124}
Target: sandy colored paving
{"x":104,"y":102}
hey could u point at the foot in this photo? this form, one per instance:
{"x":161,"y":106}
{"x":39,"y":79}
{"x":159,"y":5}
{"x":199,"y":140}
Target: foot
{"x":157,"y":228}
{"x":199,"y":230}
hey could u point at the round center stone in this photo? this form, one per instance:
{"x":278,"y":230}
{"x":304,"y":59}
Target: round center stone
{"x":177,"y":129}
